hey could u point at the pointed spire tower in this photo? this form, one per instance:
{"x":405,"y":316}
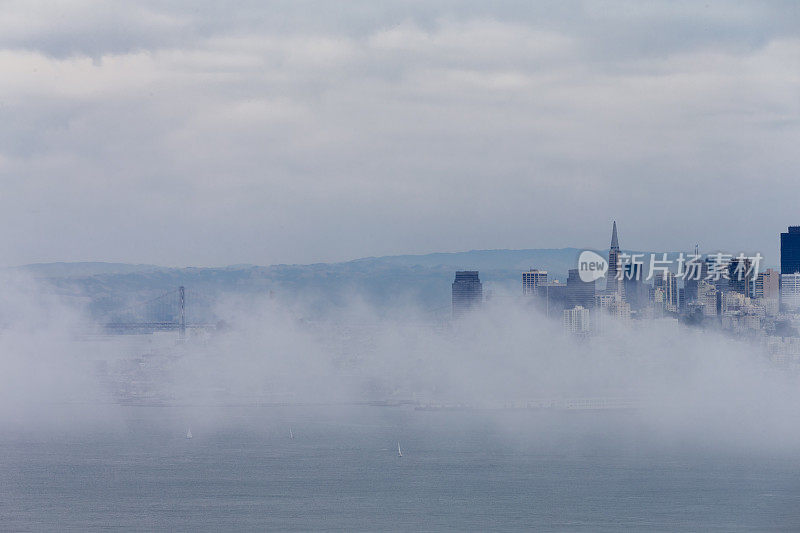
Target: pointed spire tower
{"x":614,"y":239}
{"x":613,"y":285}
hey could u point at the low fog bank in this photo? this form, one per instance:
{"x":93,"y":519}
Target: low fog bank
{"x":679,"y":384}
{"x":46,"y":378}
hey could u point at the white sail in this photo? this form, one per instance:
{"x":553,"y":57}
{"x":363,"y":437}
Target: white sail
{"x":291,"y":435}
{"x":399,"y":453}
{"x":189,"y":434}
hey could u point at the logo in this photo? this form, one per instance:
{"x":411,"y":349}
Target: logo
{"x":591,"y":266}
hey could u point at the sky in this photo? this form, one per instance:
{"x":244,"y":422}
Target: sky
{"x":215,"y":133}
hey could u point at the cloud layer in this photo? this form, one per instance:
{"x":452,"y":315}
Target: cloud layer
{"x":299,"y":132}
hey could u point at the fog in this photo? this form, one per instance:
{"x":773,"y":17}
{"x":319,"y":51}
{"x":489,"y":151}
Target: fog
{"x":46,"y":378}
{"x":679,"y":385}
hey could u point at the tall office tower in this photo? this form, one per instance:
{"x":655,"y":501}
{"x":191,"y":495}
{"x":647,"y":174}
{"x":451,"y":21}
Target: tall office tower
{"x":694,"y":275}
{"x":740,"y":277}
{"x":767,"y":285}
{"x":576,"y":320}
{"x":713,"y":269}
{"x":554,"y":295}
{"x":790,"y":250}
{"x":790,"y":292}
{"x":669,"y":284}
{"x":758,"y":286}
{"x":579,"y":292}
{"x":690,"y":289}
{"x":634,"y":288}
{"x":612,"y":283}
{"x":707,"y":296}
{"x":532,"y":280}
{"x":467,"y":292}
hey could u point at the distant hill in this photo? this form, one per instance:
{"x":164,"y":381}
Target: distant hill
{"x":82,"y":269}
{"x":384,"y":282}
{"x":555,"y":260}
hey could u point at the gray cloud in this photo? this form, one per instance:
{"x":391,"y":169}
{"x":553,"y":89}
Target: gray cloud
{"x":201,"y":134}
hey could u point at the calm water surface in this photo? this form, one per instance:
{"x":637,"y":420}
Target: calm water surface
{"x":460,"y":470}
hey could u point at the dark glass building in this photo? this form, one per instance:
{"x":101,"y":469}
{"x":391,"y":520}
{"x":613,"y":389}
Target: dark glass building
{"x":740,"y":277}
{"x":634,"y":289}
{"x":722,"y":283}
{"x":690,"y":287}
{"x":467,"y":292}
{"x":790,"y":250}
{"x":579,"y":292}
{"x":694,"y":275}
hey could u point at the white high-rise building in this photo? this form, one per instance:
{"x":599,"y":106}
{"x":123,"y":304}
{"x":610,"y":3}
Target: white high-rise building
{"x":707,"y":295}
{"x":790,"y":292}
{"x":576,"y":320}
{"x":669,"y":283}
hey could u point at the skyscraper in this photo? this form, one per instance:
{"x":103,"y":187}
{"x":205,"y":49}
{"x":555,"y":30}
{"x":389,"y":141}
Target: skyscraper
{"x":720,"y":280}
{"x":554,"y":295}
{"x":699,"y":271}
{"x":612,"y":283}
{"x":579,"y":292}
{"x":467,"y":292}
{"x":790,"y":292}
{"x":576,"y":321}
{"x":707,"y":296}
{"x":790,"y":250}
{"x":668,"y":284}
{"x":767,"y":284}
{"x":740,"y":276}
{"x":532,"y":280}
{"x":634,"y":289}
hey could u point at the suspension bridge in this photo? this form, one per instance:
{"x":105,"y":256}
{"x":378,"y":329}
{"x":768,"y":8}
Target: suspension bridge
{"x":166,"y":312}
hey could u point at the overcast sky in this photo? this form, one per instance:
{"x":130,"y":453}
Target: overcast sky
{"x":282,"y":132}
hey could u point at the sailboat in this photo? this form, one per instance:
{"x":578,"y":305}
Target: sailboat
{"x":189,"y":434}
{"x":399,"y":453}
{"x":291,"y":435}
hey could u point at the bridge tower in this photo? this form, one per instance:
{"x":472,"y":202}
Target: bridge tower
{"x":182,"y":293}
